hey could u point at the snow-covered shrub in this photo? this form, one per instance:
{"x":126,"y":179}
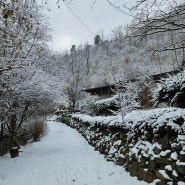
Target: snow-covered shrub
{"x":107,"y":106}
{"x":129,"y":95}
{"x":86,"y":104}
{"x":172,"y":90}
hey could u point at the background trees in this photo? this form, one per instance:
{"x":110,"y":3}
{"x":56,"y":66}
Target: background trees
{"x":73,"y":91}
{"x":97,"y":40}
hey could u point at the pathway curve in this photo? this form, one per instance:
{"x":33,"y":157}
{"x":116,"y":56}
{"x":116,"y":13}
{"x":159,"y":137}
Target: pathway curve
{"x":62,"y":157}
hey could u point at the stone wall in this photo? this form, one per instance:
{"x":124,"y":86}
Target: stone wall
{"x":158,"y":157}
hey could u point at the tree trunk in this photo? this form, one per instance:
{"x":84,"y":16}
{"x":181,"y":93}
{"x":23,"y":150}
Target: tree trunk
{"x":14,"y":148}
{"x":13,"y":130}
{"x":2,"y":130}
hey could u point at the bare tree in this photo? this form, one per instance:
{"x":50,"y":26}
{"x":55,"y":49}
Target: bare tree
{"x":73,"y":91}
{"x":118,"y":35}
{"x":156,"y":16}
{"x":87,"y":56}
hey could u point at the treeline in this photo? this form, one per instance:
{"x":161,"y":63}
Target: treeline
{"x":152,"y":43}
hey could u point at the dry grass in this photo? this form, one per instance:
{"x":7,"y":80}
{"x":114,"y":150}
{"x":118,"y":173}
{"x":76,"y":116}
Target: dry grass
{"x":38,"y":128}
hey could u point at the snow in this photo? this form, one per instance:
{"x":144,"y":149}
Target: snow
{"x":168,"y":168}
{"x":107,"y":102}
{"x":181,"y":137}
{"x":180,"y":183}
{"x":163,"y":173}
{"x":182,"y":152}
{"x":164,"y":153}
{"x":175,"y":173}
{"x":100,"y":120}
{"x":156,"y":118}
{"x":174,"y":156}
{"x":137,"y":121}
{"x":178,"y":163}
{"x":174,"y":82}
{"x":62,"y":157}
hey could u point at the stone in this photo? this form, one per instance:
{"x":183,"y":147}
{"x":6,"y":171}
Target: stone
{"x":145,"y":175}
{"x":127,"y":164}
{"x":182,"y":157}
{"x":176,"y":147}
{"x":144,"y":163}
{"x":121,"y":161}
{"x":177,"y":100}
{"x":149,"y":177}
{"x":141,"y":174}
{"x":133,"y":169}
{"x":164,"y":141}
{"x":166,"y":161}
{"x":122,"y":136}
{"x":152,"y":165}
{"x":181,"y":168}
{"x":122,"y":150}
{"x":174,"y":175}
{"x":173,"y":165}
{"x":161,"y":174}
{"x":125,"y":151}
{"x":161,"y":183}
{"x":156,"y":150}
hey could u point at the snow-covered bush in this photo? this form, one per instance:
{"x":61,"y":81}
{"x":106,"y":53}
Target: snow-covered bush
{"x":129,"y":95}
{"x":172,"y":90}
{"x":86,"y":104}
{"x":107,"y":106}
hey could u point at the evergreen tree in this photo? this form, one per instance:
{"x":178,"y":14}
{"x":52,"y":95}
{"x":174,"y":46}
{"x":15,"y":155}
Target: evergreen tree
{"x":97,"y":40}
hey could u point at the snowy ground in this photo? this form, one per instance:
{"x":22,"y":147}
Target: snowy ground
{"x":63,"y":157}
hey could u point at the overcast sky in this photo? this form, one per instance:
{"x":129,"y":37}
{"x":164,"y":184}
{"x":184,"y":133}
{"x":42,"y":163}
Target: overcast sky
{"x":68,"y":30}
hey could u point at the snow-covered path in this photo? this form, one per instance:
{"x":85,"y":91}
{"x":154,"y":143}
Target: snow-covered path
{"x":63,"y":157}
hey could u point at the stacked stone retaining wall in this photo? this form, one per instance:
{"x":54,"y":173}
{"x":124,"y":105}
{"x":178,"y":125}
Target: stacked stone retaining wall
{"x":151,"y":157}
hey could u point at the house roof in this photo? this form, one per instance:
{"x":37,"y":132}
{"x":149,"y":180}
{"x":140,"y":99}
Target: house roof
{"x":155,"y":77}
{"x":99,"y":88}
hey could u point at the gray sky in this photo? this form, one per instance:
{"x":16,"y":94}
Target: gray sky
{"x":68,"y":30}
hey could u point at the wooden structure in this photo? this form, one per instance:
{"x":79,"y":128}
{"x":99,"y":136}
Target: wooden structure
{"x":102,"y":91}
{"x":158,"y":77}
{"x":108,"y":90}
